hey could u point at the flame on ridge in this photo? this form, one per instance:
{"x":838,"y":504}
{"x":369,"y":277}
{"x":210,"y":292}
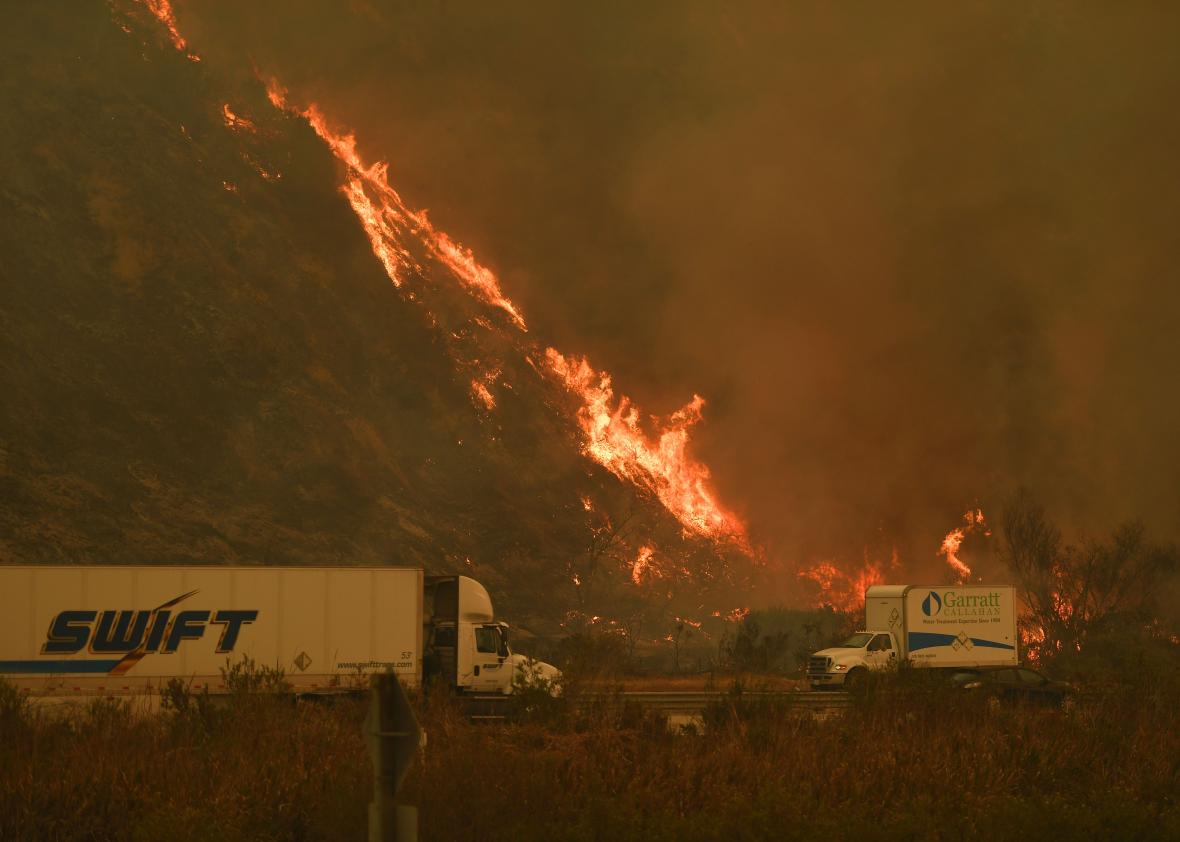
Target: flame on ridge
{"x":614,"y":439}
{"x":612,"y":434}
{"x":387,"y":219}
{"x":162,"y":9}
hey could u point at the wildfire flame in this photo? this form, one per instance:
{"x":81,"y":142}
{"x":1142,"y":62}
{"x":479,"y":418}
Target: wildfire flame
{"x":844,"y":590}
{"x":642,"y":565}
{"x":233,"y":121}
{"x":481,"y":388}
{"x":614,"y":439}
{"x":973,"y":519}
{"x":386,"y":218}
{"x":162,"y":9}
{"x":613,"y":436}
{"x":481,"y":393}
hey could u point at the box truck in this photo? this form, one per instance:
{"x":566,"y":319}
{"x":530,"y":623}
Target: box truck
{"x":99,"y":630}
{"x":922,"y":625}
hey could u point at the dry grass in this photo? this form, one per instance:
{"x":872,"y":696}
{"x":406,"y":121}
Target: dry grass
{"x":890,"y":768}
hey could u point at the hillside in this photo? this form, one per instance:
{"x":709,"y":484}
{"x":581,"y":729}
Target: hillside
{"x":203,"y":361}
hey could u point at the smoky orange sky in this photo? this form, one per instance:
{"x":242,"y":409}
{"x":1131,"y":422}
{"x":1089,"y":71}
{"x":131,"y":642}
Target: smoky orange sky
{"x":912,"y":257}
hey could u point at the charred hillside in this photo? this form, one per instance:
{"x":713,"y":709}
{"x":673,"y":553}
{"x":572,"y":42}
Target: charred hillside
{"x":203,"y":360}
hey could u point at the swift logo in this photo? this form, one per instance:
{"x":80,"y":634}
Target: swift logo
{"x":130,"y":633}
{"x":932,"y":604}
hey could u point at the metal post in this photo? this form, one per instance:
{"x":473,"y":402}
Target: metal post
{"x":393,"y":734}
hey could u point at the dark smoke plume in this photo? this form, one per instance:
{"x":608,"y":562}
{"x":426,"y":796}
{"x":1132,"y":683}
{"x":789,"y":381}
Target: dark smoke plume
{"x":912,"y":260}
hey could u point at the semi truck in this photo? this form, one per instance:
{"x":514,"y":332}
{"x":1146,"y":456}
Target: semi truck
{"x":933,"y":626}
{"x":122,"y":630}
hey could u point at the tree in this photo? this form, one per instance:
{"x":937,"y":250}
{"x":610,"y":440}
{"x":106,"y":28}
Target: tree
{"x":1074,"y":592}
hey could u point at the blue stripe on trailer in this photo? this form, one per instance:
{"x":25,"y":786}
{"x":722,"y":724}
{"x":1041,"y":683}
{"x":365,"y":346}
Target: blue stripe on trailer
{"x":57,"y":667}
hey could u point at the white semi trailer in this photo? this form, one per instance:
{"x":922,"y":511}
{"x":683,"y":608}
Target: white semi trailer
{"x":107,"y":630}
{"x":922,"y":625}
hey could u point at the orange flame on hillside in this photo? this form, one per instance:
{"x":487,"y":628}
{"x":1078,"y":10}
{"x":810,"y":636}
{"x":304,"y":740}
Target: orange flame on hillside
{"x":233,"y":121}
{"x":481,"y":393}
{"x":612,"y":433}
{"x":481,"y":388}
{"x":615,"y":440}
{"x":162,"y":9}
{"x":642,"y":565}
{"x":388,"y":221}
{"x":954,"y":539}
{"x":844,"y":589}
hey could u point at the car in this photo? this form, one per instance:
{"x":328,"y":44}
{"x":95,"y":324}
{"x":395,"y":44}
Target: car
{"x":1014,"y":684}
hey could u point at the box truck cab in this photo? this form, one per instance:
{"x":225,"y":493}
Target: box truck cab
{"x":919,"y":625}
{"x":115,"y":630}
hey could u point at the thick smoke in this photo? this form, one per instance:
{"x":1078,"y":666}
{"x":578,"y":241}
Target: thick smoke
{"x":912,"y":260}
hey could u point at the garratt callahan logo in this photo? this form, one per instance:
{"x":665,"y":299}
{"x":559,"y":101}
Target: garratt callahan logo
{"x":130,"y":634}
{"x":952,"y":604}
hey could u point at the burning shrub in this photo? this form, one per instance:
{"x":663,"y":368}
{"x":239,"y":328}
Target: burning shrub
{"x":1077,"y":594}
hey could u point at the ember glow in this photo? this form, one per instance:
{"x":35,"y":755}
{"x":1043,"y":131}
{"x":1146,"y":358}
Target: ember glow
{"x":973,"y":520}
{"x":481,"y":389}
{"x":481,"y":393}
{"x":611,"y":430}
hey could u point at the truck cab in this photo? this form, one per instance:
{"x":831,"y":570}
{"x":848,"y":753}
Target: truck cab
{"x":849,"y":661}
{"x":465,"y":645}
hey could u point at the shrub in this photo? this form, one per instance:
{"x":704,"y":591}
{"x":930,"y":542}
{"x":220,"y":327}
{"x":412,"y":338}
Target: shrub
{"x":14,"y":707}
{"x":247,"y":677}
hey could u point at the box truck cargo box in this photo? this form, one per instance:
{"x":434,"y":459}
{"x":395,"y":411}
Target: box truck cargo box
{"x":923,"y":625}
